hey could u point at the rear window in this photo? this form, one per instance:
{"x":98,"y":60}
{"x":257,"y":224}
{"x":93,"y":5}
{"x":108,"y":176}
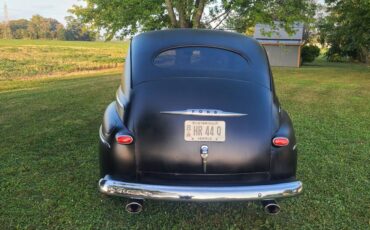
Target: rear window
{"x":201,"y":59}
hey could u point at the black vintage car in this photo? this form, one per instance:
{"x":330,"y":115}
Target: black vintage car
{"x":196,"y":118}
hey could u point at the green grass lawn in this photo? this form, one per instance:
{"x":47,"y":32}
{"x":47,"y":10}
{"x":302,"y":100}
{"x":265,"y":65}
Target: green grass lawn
{"x":34,"y":58}
{"x":49,"y":161}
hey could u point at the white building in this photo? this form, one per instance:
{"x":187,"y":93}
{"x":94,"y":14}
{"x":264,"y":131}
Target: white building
{"x":283,"y":49}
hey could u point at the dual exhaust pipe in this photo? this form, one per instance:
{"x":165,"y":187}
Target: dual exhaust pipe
{"x":135,"y":206}
{"x":270,"y":207}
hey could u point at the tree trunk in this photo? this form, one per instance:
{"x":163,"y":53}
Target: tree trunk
{"x":183,"y":17}
{"x":364,"y":55}
{"x":171,"y":13}
{"x":198,"y":12}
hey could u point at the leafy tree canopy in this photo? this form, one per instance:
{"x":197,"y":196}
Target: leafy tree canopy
{"x":78,"y":31}
{"x":346,"y":29}
{"x":39,"y":27}
{"x":127,"y":17}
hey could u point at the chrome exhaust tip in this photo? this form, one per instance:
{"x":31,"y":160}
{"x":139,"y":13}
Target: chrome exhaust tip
{"x":271,"y":207}
{"x":134,"y":206}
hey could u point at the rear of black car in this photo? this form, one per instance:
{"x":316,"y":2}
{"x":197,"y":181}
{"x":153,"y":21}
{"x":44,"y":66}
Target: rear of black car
{"x":199,"y":120}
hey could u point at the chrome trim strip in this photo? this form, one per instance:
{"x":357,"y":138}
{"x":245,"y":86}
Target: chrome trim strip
{"x":120,"y":104}
{"x":102,"y":137}
{"x":118,"y":99}
{"x":109,"y":186}
{"x":205,"y":112}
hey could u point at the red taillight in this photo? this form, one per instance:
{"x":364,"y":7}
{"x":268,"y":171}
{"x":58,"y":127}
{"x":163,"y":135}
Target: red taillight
{"x":124,"y":139}
{"x":280,"y":141}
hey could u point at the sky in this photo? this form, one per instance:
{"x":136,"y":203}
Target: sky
{"x":47,"y":8}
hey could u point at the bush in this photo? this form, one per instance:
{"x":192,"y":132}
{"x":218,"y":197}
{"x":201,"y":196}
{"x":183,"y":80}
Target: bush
{"x":309,"y":53}
{"x":336,"y":54}
{"x":335,"y":57}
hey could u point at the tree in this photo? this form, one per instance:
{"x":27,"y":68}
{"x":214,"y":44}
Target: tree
{"x":3,"y":27}
{"x":34,"y":27}
{"x":5,"y":32}
{"x":132,"y":16}
{"x":247,"y":13}
{"x":18,"y":28}
{"x":78,"y":31}
{"x":61,"y":33}
{"x":39,"y":27}
{"x":43,"y":28}
{"x":346,"y":29}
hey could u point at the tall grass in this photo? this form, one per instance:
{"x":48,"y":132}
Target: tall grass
{"x":26,"y":58}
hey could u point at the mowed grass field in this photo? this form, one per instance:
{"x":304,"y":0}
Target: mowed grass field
{"x":35,"y":58}
{"x":49,"y":161}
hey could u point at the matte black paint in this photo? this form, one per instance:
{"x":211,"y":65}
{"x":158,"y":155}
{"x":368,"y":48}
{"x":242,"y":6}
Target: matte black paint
{"x":145,"y":47}
{"x":160,"y":154}
{"x":160,"y":145}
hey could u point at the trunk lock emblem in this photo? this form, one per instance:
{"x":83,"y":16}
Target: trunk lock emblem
{"x":204,"y":156}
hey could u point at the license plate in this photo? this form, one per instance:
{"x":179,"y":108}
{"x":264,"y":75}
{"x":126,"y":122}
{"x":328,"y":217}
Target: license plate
{"x":204,"y":131}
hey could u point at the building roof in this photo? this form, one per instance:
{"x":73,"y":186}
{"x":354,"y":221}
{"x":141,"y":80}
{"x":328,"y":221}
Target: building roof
{"x":267,"y":34}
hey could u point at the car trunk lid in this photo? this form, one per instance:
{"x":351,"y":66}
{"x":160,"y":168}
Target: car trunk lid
{"x":161,"y":109}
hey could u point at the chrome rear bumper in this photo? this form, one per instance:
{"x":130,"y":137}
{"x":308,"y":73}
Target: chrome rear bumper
{"x":109,"y":186}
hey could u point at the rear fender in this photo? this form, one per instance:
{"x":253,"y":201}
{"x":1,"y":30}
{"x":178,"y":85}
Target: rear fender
{"x":115,"y":159}
{"x":284,"y":159}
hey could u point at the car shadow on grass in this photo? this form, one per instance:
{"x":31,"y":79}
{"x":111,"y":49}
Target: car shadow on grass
{"x":199,"y":215}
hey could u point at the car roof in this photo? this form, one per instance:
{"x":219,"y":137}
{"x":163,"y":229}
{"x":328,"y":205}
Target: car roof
{"x":146,"y":46}
{"x":182,"y":37}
